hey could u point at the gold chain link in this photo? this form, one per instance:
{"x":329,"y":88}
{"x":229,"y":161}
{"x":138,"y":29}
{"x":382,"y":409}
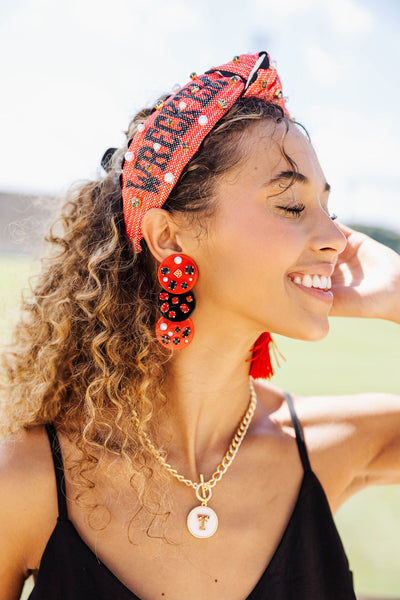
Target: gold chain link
{"x":227,"y":459}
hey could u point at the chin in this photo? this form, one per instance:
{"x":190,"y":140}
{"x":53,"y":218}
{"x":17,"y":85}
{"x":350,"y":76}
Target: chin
{"x":310,"y":332}
{"x":317,"y":332}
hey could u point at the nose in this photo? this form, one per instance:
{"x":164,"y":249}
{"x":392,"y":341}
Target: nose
{"x":327,"y":236}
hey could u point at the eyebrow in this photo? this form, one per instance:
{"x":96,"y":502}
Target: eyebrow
{"x":298,"y":178}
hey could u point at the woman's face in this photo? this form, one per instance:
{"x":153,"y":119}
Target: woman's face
{"x":264,"y":244}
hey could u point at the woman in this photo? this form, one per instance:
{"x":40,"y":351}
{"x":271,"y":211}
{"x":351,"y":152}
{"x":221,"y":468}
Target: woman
{"x":225,"y":208}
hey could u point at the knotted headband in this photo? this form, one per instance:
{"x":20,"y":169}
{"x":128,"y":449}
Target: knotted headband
{"x":172,"y":134}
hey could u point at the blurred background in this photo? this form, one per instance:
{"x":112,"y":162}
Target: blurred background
{"x":74,"y":72}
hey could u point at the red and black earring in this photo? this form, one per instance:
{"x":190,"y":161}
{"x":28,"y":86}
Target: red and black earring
{"x":177,"y":275}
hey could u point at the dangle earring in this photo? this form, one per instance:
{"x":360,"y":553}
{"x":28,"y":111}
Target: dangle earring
{"x":177,"y":275}
{"x":260,"y":361}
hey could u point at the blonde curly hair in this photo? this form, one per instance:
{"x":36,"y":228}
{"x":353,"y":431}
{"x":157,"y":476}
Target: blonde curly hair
{"x":84,"y":354}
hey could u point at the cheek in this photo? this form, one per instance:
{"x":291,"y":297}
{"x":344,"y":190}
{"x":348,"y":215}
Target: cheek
{"x":247,"y":255}
{"x":245,"y":274}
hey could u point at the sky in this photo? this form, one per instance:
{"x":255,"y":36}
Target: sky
{"x":74,"y":72}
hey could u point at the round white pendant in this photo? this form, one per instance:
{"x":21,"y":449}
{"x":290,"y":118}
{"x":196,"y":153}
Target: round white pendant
{"x":202,"y":522}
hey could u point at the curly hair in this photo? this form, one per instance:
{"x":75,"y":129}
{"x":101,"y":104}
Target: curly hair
{"x":84,"y":354}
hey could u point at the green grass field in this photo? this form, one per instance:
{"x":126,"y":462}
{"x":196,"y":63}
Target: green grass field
{"x":357,"y":356}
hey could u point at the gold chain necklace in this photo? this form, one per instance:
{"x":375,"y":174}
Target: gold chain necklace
{"x":202,"y":521}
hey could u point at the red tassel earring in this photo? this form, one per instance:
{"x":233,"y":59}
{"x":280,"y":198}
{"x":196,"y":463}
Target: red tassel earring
{"x":261,"y":366}
{"x":177,"y":275}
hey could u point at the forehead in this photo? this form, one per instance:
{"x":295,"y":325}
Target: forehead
{"x":262,"y":157}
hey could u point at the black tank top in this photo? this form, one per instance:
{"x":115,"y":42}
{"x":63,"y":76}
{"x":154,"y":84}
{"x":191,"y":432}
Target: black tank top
{"x":308,"y":564}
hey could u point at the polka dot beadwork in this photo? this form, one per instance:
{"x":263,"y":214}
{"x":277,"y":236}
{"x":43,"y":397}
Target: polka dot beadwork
{"x":176,"y":301}
{"x":174,"y":335}
{"x":178,"y":273}
{"x":176,"y":307}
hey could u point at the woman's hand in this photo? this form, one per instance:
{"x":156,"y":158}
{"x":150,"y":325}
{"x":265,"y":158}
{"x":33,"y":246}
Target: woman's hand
{"x":366,"y":279}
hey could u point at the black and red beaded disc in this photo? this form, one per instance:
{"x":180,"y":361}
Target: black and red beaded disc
{"x":178,"y":273}
{"x":174,"y":335}
{"x":176,"y":307}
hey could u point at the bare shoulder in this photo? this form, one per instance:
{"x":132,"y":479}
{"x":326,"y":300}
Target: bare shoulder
{"x":28,"y":500}
{"x":352,"y":440}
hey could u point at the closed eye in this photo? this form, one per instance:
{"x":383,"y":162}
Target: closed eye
{"x":294,"y":210}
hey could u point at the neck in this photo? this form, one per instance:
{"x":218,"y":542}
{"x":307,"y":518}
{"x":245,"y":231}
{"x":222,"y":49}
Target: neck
{"x":208,"y":393}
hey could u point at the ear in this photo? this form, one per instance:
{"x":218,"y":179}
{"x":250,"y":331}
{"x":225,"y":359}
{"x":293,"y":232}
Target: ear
{"x":160,"y":232}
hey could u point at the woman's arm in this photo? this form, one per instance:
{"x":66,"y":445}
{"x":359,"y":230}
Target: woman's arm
{"x":366,"y":280}
{"x":354,"y":441}
{"x":377,"y":433}
{"x":362,"y":431}
{"x":13,"y":571}
{"x":28,"y":507}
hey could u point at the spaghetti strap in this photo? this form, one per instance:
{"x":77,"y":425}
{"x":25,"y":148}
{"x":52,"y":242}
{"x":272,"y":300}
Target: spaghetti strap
{"x":299,"y":434}
{"x":59,"y":471}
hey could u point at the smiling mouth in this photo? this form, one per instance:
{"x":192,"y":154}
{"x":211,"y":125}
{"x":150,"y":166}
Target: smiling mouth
{"x":319,"y":282}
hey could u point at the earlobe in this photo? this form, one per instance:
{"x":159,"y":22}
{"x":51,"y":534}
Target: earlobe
{"x":159,"y":232}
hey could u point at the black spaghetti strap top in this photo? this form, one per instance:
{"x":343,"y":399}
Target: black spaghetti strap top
{"x":308,"y":564}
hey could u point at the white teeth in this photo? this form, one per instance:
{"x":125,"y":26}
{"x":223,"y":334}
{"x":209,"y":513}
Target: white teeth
{"x":316,"y":282}
{"x":320,"y":282}
{"x":307,"y":281}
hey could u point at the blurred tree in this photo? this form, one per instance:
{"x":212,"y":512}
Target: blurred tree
{"x":381,"y":234}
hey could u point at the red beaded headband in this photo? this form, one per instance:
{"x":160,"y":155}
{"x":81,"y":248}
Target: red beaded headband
{"x":172,"y":134}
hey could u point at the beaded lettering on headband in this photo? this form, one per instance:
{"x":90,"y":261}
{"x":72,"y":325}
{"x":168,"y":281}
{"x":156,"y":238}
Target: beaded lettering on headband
{"x":172,"y":134}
